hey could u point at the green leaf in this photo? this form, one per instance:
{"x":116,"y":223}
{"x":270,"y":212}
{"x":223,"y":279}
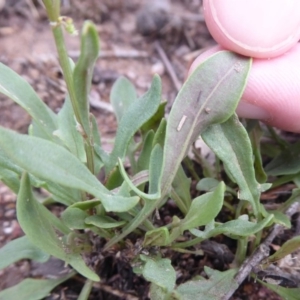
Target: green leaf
{"x":204,"y":208}
{"x":96,"y":143}
{"x":160,"y":133}
{"x":161,"y":273}
{"x":157,"y":292}
{"x":280,"y":218}
{"x":287,"y":248}
{"x":115,"y":179}
{"x":144,"y":158}
{"x":155,"y":171}
{"x":104,"y":222}
{"x":54,"y":163}
{"x":45,"y":231}
{"x":74,"y":218}
{"x":207,"y":184}
{"x":287,"y":162}
{"x":157,"y":237}
{"x":285,"y":293}
{"x":10,"y":175}
{"x":10,"y":179}
{"x":181,"y":191}
{"x":62,"y":194}
{"x":214,"y":288}
{"x":85,"y":205}
{"x":209,"y":96}
{"x":68,"y":133}
{"x":231,"y":144}
{"x":20,"y":248}
{"x":17,"y":89}
{"x":135,"y":116}
{"x":122,"y":95}
{"x":154,"y":122}
{"x":255,"y":136}
{"x":83,"y":72}
{"x":33,"y":289}
{"x":234,"y":228}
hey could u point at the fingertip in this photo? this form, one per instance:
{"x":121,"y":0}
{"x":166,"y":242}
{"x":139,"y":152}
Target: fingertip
{"x":260,"y":29}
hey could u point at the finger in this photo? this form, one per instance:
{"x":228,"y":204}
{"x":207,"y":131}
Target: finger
{"x":255,"y":28}
{"x":272,"y":93}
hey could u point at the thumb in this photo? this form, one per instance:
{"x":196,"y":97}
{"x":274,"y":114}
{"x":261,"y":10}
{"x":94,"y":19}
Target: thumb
{"x":272,"y":93}
{"x":257,"y":28}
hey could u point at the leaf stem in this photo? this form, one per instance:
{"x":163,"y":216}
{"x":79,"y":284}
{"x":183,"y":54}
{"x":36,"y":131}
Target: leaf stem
{"x":53,"y":11}
{"x":86,"y":290}
{"x":179,"y":202}
{"x":241,"y":251}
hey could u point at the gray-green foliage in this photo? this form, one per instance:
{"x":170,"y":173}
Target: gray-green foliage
{"x":64,"y":155}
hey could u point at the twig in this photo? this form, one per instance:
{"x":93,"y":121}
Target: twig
{"x":97,"y":103}
{"x":168,"y":65}
{"x":33,"y":9}
{"x":115,"y":292}
{"x":119,"y":53}
{"x":261,"y":252}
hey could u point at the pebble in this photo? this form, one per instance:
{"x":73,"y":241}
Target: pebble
{"x":7,"y":230}
{"x":10,"y":213}
{"x":158,"y":68}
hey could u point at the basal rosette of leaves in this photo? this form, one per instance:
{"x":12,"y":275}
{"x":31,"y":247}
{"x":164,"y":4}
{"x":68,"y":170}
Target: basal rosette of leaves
{"x":62,"y":153}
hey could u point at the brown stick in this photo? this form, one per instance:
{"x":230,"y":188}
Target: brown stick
{"x":168,"y":65}
{"x":261,"y":252}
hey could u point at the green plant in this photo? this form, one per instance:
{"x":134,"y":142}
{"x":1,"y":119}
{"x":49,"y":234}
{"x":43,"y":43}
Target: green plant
{"x":63,"y":154}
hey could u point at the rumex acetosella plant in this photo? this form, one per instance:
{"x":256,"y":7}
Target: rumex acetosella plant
{"x":62,"y":153}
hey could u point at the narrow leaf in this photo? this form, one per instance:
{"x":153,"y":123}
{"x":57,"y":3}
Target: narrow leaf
{"x":134,"y":117}
{"x":88,"y":204}
{"x":45,"y":231}
{"x":74,"y":218}
{"x":52,"y":162}
{"x":214,"y":288}
{"x":160,"y":133}
{"x":104,"y":222}
{"x":204,"y":208}
{"x":234,"y":228}
{"x":20,"y":248}
{"x":181,"y":190}
{"x":144,"y":158}
{"x":155,"y":171}
{"x":122,"y":95}
{"x":33,"y":289}
{"x":231,"y":144}
{"x":17,"y":89}
{"x":161,"y":273}
{"x":83,"y":72}
{"x":209,"y":96}
{"x":255,"y":136}
{"x":157,"y":237}
{"x":68,"y":133}
{"x":285,"y":293}
{"x":287,"y":162}
{"x":287,"y":248}
{"x":154,"y":122}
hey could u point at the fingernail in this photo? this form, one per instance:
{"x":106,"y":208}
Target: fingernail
{"x":250,"y":111}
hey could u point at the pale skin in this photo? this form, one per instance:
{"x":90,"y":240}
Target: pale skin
{"x":272,"y":93}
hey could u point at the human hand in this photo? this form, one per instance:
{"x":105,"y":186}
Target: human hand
{"x":263,"y":30}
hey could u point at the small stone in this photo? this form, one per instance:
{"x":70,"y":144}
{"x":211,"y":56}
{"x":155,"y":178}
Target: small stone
{"x":10,"y":213}
{"x":158,"y":68}
{"x":7,"y":230}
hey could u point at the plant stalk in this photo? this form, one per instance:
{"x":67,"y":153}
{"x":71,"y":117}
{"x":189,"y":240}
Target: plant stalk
{"x":53,"y":12}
